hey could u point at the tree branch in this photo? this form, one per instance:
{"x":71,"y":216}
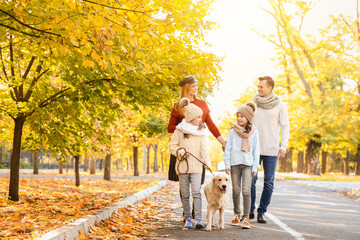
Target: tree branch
{"x":28,"y":67}
{"x":358,"y":19}
{"x":16,"y":91}
{"x":33,"y":82}
{"x":29,"y":34}
{"x":27,"y":25}
{"x":123,"y":9}
{"x":21,"y":87}
{"x":3,"y":65}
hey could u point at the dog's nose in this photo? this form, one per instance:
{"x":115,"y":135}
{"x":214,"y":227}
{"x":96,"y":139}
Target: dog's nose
{"x":224,"y":186}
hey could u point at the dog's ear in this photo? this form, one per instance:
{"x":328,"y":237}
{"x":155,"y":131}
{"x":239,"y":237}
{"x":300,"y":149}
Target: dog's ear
{"x":214,"y":180}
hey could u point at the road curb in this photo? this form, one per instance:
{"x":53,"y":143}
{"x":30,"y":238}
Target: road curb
{"x":71,"y":230}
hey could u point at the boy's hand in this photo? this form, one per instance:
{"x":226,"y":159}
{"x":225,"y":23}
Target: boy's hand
{"x":227,"y":171}
{"x":254,"y":174}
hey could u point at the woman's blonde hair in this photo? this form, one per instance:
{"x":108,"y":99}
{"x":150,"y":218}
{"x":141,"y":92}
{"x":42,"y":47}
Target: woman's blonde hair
{"x":185,"y":93}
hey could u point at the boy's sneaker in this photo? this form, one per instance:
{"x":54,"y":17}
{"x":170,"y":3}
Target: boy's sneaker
{"x":236,"y":220}
{"x":198,"y":223}
{"x":188,"y":223}
{"x":245,"y":223}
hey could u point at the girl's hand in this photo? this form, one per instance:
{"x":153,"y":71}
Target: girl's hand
{"x":227,"y":171}
{"x":254,"y":174}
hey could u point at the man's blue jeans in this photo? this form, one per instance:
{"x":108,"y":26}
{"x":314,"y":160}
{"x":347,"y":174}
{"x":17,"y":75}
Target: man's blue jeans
{"x":269,"y":164}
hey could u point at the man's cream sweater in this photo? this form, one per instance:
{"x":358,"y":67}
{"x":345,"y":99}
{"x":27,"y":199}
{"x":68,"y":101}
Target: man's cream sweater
{"x":196,"y":145}
{"x":268,"y":122}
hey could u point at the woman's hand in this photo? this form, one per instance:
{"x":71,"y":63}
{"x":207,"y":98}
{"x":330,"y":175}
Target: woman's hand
{"x":253,"y":174}
{"x":227,"y":171}
{"x":224,"y":146}
{"x":222,"y":142}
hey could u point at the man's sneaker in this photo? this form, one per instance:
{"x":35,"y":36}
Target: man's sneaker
{"x":188,"y":223}
{"x":198,"y":223}
{"x":252,"y":216}
{"x":245,"y":223}
{"x":236,"y":220}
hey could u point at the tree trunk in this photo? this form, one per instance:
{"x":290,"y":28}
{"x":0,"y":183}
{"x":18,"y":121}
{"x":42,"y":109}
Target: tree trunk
{"x":77,"y":173}
{"x":162,"y":161}
{"x":288,"y":160}
{"x":15,"y":159}
{"x":312,"y":152}
{"x":92,"y":166}
{"x":121,"y":162}
{"x":136,"y":161}
{"x":127,"y":164}
{"x":357,"y":159}
{"x":61,"y":168}
{"x":282,"y":164}
{"x":148,"y":159}
{"x":307,"y":162}
{"x":107,"y":167}
{"x":86,"y":162}
{"x":156,"y":168}
{"x":35,"y":162}
{"x":323,"y":161}
{"x":101,"y":164}
{"x":300,"y":162}
{"x":144,"y":157}
{"x":346,"y":163}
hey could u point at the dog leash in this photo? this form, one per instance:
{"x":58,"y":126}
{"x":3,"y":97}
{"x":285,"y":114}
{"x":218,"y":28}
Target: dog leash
{"x":183,"y":157}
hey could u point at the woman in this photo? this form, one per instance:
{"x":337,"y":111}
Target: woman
{"x":189,"y":90}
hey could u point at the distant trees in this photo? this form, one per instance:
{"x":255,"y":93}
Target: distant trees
{"x":320,"y":84}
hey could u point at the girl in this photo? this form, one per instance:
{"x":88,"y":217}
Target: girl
{"x":241,"y":159}
{"x":190,"y":135}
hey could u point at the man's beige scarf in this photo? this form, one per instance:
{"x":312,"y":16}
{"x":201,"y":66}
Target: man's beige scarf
{"x":245,"y":146}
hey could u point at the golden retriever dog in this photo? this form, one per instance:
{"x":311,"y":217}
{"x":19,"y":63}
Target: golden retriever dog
{"x":216,"y":192}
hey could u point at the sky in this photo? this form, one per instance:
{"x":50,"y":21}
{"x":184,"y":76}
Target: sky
{"x":247,"y":54}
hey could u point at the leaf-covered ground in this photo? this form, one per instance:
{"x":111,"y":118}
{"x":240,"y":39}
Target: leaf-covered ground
{"x":49,"y":203}
{"x":143,"y":220}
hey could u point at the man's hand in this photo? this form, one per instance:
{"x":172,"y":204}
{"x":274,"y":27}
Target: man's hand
{"x":227,"y":171}
{"x":253,"y":174}
{"x":281,"y":153}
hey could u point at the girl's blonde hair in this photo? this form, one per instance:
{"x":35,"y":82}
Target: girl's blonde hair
{"x":185,"y":93}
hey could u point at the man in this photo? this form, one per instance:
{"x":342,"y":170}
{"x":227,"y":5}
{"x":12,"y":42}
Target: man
{"x":271,"y":114}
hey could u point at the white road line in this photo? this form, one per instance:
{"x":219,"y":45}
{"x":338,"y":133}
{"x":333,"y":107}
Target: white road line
{"x":292,"y":232}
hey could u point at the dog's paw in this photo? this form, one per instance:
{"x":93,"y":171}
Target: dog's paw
{"x":221,"y":226}
{"x":208,"y":228}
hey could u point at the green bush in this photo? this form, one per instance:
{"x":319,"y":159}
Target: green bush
{"x":24,"y":164}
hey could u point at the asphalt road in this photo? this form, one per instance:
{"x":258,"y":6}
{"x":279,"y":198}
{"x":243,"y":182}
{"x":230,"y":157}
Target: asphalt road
{"x":297,"y":211}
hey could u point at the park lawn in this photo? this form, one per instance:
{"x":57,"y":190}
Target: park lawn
{"x":49,"y":203}
{"x":114,"y":172}
{"x":145,"y":219}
